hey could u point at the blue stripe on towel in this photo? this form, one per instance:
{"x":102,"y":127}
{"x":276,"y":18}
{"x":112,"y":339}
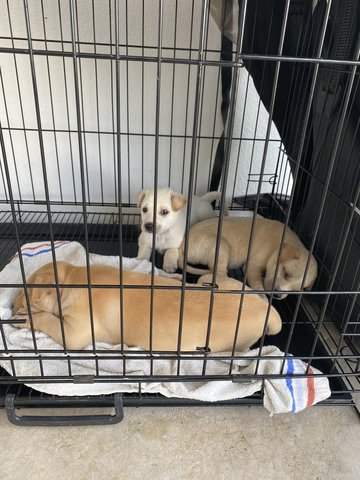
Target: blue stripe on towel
{"x":42,"y":251}
{"x":290,"y":371}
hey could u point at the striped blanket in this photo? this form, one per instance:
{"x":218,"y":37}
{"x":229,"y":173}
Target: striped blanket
{"x":287,"y":394}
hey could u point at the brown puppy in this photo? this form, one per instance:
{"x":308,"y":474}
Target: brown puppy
{"x":261,"y":265}
{"x":136,"y":305}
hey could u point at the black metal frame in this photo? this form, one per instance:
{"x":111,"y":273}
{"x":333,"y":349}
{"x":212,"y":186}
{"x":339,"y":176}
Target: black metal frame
{"x":113,"y":230}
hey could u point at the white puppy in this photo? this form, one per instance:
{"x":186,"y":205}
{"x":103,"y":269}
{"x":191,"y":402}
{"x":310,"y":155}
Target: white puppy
{"x":170,"y":222}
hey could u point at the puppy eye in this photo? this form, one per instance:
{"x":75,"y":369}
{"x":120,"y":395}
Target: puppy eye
{"x":144,"y":209}
{"x":286,"y":275}
{"x":164,"y":212}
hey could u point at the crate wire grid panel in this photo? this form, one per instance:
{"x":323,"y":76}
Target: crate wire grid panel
{"x":95,"y":114}
{"x":94,"y":170}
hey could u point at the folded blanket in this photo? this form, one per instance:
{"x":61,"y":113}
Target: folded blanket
{"x":280,"y":395}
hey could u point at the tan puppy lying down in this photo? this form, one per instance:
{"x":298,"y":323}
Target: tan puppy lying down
{"x":261,"y":265}
{"x":106,"y":311}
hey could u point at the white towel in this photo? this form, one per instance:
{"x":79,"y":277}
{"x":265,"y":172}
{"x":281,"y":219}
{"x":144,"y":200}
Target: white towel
{"x":280,"y":395}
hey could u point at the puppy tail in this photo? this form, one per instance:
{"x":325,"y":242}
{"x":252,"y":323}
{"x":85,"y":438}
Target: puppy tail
{"x":212,"y":197}
{"x":197,"y":271}
{"x":189,"y":268}
{"x":274,"y":324}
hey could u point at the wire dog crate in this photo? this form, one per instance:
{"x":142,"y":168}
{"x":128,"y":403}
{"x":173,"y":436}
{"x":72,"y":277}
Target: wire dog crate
{"x":100,"y":100}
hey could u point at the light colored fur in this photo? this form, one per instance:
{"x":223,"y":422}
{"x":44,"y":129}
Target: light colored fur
{"x":136,"y":308}
{"x":170,"y":227}
{"x":261,"y":265}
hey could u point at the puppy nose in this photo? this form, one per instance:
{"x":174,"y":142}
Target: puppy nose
{"x":149,"y":226}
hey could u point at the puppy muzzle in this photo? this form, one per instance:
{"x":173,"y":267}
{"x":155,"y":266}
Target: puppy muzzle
{"x":280,"y":296}
{"x":149,"y":227}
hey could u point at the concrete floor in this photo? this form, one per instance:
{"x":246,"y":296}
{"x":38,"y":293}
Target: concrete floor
{"x":322,"y":443}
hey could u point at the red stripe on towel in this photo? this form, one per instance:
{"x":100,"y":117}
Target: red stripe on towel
{"x":311,"y":389}
{"x":47,"y":244}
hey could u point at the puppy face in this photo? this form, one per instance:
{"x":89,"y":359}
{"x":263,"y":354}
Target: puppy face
{"x":291,"y":270}
{"x":169,"y":205}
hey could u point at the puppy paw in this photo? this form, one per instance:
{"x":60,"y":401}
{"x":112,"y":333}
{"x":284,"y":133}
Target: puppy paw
{"x":170,"y":263}
{"x":144,"y":255}
{"x":25,"y":324}
{"x":170,"y":267}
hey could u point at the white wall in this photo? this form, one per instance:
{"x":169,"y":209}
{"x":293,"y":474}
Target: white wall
{"x":137,"y":105}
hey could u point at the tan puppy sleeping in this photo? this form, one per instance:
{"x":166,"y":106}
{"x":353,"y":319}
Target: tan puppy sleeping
{"x":261,"y":265}
{"x":136,"y":304}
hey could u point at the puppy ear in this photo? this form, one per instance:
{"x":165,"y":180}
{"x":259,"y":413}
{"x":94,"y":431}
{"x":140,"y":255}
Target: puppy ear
{"x":43,"y":298}
{"x":38,"y":295}
{"x":140,"y":198}
{"x":311,"y":284}
{"x":309,"y":287}
{"x":177,"y":201}
{"x":289,"y":252}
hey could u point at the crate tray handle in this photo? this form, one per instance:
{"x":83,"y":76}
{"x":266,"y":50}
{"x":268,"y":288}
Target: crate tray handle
{"x":63,"y":420}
